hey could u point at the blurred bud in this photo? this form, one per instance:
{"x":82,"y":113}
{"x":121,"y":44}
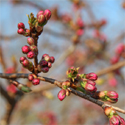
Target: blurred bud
{"x":90,"y":87}
{"x":68,"y":92}
{"x":21,"y":31}
{"x":47,"y":58}
{"x":21,"y":25}
{"x":25,"y":63}
{"x":80,"y":32}
{"x":25,"y":49}
{"x":91,"y":82}
{"x":116,"y":120}
{"x":31,"y":55}
{"x":44,"y":55}
{"x":38,"y":28}
{"x":80,"y":23}
{"x":112,"y":94}
{"x":41,"y":19}
{"x":120,"y":48}
{"x":30,"y":77}
{"x":62,"y":94}
{"x":43,"y":63}
{"x":45,"y":69}
{"x":34,"y":49}
{"x":109,"y":111}
{"x":114,"y":59}
{"x":49,"y":64}
{"x":22,"y":59}
{"x":47,"y":14}
{"x":35,"y":81}
{"x":52,"y":59}
{"x":30,"y":66}
{"x":11,"y":88}
{"x":91,"y":76}
{"x":30,"y":41}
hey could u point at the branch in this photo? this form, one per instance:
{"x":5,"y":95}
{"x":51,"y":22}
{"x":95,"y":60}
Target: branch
{"x":59,"y":84}
{"x":111,"y":68}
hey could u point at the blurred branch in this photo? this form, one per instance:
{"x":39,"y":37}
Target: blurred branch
{"x":7,"y":38}
{"x":2,"y":60}
{"x":111,"y":68}
{"x":59,"y":84}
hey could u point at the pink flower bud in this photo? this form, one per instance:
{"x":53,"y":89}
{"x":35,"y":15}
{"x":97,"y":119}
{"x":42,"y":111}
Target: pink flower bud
{"x":30,"y":77}
{"x":35,"y":81}
{"x":43,"y":63}
{"x":114,"y":59}
{"x":45,"y":69}
{"x":47,"y":14}
{"x":30,"y":41}
{"x":21,"y":31}
{"x":39,"y":13}
{"x":22,"y":59}
{"x":11,"y":88}
{"x":52,"y":59}
{"x":103,"y":22}
{"x":112,"y":94}
{"x":49,"y":64}
{"x":25,"y":63}
{"x":34,"y":49}
{"x":80,"y":32}
{"x":91,"y":82}
{"x":112,"y":81}
{"x":91,"y":76}
{"x":62,"y":94}
{"x":31,"y":55}
{"x":90,"y":87}
{"x":41,"y":19}
{"x":10,"y":70}
{"x":120,"y":48}
{"x":80,"y":22}
{"x":25,"y":49}
{"x":66,"y":18}
{"x":21,"y":25}
{"x":116,"y":120}
{"x":44,"y":55}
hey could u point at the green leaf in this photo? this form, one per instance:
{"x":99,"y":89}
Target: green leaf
{"x":25,"y":89}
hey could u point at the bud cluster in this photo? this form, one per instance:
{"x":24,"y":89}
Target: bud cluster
{"x":114,"y":118}
{"x":45,"y":63}
{"x":110,"y":96}
{"x":119,"y":52}
{"x":34,"y":79}
{"x":22,"y":30}
{"x":26,"y":63}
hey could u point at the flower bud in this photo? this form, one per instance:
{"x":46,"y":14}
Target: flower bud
{"x":30,"y":77}
{"x":30,"y":66}
{"x":112,"y":94}
{"x":44,"y":55}
{"x":30,"y":41}
{"x":34,"y":49}
{"x":102,"y":94}
{"x":45,"y":69}
{"x":114,"y":59}
{"x":22,"y":59}
{"x":11,"y":88}
{"x":43,"y":63}
{"x":35,"y":81}
{"x":47,"y":14}
{"x":25,"y":63}
{"x":80,"y":32}
{"x":62,"y":94}
{"x":21,"y":25}
{"x":49,"y":64}
{"x":47,"y":58}
{"x":116,"y":120}
{"x":31,"y":55}
{"x":80,"y":23}
{"x":112,"y":100}
{"x":25,"y":49}
{"x":52,"y":59}
{"x":38,"y":28}
{"x":21,"y":31}
{"x":91,"y":76}
{"x":120,"y":48}
{"x":90,"y":87}
{"x":39,"y":13}
{"x":41,"y":19}
{"x":91,"y":82}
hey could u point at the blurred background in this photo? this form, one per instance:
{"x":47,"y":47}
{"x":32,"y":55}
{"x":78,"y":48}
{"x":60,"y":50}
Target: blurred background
{"x":89,"y":34}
